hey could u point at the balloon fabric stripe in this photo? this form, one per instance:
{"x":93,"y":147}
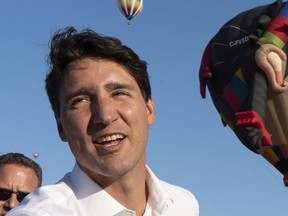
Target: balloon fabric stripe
{"x":269,"y":154}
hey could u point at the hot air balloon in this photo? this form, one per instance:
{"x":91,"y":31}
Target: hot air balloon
{"x":240,"y":89}
{"x":36,"y":155}
{"x":130,"y":8}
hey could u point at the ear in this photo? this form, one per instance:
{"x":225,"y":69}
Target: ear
{"x":61,"y":132}
{"x":150,"y":111}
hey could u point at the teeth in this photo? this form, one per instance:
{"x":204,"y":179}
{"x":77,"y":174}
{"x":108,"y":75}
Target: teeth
{"x":110,"y":138}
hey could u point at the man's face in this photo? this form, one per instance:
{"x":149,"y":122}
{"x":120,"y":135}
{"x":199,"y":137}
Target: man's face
{"x":17,"y":179}
{"x":104,"y":118}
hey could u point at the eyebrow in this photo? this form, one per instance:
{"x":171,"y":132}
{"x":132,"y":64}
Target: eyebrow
{"x":15,"y":192}
{"x":116,"y":85}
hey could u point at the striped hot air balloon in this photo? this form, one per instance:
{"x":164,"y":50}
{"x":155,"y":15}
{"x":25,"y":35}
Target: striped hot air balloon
{"x":130,"y":8}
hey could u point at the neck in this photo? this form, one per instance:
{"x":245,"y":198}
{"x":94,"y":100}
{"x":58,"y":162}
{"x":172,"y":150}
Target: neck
{"x":131,"y":191}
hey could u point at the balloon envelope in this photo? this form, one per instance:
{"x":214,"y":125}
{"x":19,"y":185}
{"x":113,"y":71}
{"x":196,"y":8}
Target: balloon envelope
{"x":239,"y":89}
{"x":130,"y":8}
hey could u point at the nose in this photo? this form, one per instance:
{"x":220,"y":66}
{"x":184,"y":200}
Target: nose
{"x":104,"y":112}
{"x":12,"y":202}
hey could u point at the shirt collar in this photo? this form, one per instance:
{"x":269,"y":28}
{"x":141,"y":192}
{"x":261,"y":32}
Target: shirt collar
{"x":87,"y":191}
{"x":92,"y":198}
{"x":159,"y":199}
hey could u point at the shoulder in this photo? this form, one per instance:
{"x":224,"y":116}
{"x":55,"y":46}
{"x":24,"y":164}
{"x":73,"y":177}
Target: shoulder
{"x":55,"y":193}
{"x":46,"y":201}
{"x":178,"y":192}
{"x":183,"y":200}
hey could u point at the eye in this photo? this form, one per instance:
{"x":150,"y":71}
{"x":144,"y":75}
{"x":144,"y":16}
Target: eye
{"x":81,"y":102}
{"x":120,"y":93}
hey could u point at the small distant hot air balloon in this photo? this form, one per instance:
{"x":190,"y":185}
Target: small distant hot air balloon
{"x":35,"y":155}
{"x":130,"y":8}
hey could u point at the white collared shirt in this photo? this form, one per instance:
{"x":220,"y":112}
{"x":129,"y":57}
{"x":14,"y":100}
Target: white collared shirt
{"x":78,"y":195}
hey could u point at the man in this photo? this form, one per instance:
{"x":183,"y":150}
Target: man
{"x":19,"y":175}
{"x":101,"y":97}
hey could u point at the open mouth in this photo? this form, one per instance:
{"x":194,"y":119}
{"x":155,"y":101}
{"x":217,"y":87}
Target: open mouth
{"x":109,"y":143}
{"x":110,"y":138}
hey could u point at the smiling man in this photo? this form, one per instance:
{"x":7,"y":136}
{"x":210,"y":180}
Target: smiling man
{"x":19,"y":176}
{"x":100,"y":94}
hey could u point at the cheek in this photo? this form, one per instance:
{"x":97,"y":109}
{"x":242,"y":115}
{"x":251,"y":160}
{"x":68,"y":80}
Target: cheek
{"x":76,"y":130}
{"x":137,"y":119}
{"x":76,"y":123}
{"x":136,"y":115}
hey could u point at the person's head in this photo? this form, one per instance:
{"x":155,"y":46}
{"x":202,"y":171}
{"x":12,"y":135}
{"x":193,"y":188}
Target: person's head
{"x":19,"y":176}
{"x":100,"y":93}
{"x":68,"y":46}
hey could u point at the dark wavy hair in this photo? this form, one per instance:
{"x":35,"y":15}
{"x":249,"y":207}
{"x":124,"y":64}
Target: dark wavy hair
{"x":68,"y":45}
{"x":22,"y":160}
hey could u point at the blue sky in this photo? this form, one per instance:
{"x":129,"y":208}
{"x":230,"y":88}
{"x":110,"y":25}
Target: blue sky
{"x":188,"y":145}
